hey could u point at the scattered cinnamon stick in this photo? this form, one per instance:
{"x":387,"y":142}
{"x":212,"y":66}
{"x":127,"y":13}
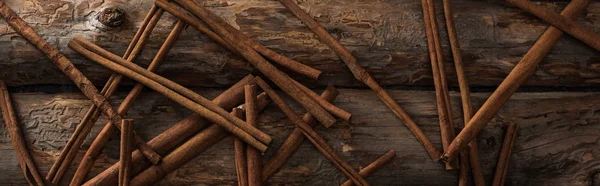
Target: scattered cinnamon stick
{"x":515,"y":78}
{"x":472,"y":154}
{"x":561,"y":22}
{"x":439,"y":78}
{"x":185,"y":152}
{"x":268,"y":53}
{"x":94,"y":150}
{"x":252,"y":154}
{"x":362,"y":75}
{"x":374,"y":166}
{"x":238,"y":128}
{"x":294,"y":140}
{"x":125,"y":152}
{"x":30,"y":171}
{"x":336,"y":111}
{"x":504,"y":159}
{"x":317,"y":140}
{"x":178,"y":133}
{"x":270,"y":71}
{"x":241,"y":166}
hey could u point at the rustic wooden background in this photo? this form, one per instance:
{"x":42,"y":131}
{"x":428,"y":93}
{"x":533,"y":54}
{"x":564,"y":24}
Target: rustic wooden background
{"x":558,"y":110}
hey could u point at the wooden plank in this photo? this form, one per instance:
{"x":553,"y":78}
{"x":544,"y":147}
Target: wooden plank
{"x":387,"y":37}
{"x":557,"y":143}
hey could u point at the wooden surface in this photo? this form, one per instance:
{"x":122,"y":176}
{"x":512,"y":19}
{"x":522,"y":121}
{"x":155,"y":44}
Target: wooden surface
{"x":557,"y":143}
{"x":387,"y":37}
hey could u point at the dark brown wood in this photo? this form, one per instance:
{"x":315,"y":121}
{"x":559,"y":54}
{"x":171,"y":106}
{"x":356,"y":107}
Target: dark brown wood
{"x":28,"y":167}
{"x":241,"y":165}
{"x":125,"y":152}
{"x":517,"y":76}
{"x":253,"y":155}
{"x":505,"y":153}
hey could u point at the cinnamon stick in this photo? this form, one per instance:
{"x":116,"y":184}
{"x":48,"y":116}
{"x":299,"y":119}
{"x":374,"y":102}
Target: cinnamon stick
{"x":317,"y":140}
{"x":374,"y":166}
{"x":125,"y":152}
{"x":362,"y":75}
{"x":439,"y":79}
{"x":472,"y":154}
{"x":94,"y":150}
{"x":268,"y":53}
{"x":294,"y":140}
{"x":504,"y":159}
{"x":336,"y":111}
{"x":185,"y":152}
{"x":564,"y":23}
{"x":241,"y":166}
{"x":30,"y":171}
{"x":515,"y":78}
{"x":270,"y":71}
{"x":252,"y":154}
{"x":238,"y":128}
{"x":178,"y":133}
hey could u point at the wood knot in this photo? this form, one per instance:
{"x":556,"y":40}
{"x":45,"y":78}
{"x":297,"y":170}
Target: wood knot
{"x":112,"y":17}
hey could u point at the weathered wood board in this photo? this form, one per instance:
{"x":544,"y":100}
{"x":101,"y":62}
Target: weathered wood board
{"x":386,"y":36}
{"x":558,"y":142}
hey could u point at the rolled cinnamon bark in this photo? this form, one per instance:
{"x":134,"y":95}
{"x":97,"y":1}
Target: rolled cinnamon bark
{"x":241,"y":165}
{"x":125,"y":152}
{"x":253,"y":155}
{"x":374,"y":166}
{"x":504,"y":159}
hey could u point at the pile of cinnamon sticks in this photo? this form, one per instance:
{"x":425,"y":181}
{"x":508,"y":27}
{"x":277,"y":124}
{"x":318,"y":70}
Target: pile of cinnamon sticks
{"x":154,"y":159}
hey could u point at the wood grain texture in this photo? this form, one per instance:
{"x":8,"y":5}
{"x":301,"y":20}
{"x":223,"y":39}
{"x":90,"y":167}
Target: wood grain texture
{"x":557,"y":144}
{"x":385,"y":36}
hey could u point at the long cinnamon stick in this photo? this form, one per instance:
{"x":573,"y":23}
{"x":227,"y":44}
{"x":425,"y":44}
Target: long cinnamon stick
{"x":472,"y":154}
{"x":185,"y":152}
{"x":241,"y":165}
{"x":30,"y":171}
{"x":515,"y":78}
{"x":252,"y":155}
{"x":125,"y":152}
{"x":270,"y":71}
{"x":294,"y":140}
{"x":562,"y":22}
{"x":439,"y":79}
{"x":178,"y":133}
{"x":374,"y":166}
{"x":317,"y":140}
{"x":362,"y":75}
{"x":504,"y":159}
{"x":239,"y":128}
{"x":94,"y":150}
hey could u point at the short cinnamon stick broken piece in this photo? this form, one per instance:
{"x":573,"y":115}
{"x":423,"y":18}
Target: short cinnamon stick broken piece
{"x":240,"y":130}
{"x":374,"y":166}
{"x":241,"y":165}
{"x":270,"y":71}
{"x":317,"y":140}
{"x":30,"y":171}
{"x":125,"y":152}
{"x":253,"y":156}
{"x":515,"y":78}
{"x":362,"y":75}
{"x":336,"y":111}
{"x":504,"y":159}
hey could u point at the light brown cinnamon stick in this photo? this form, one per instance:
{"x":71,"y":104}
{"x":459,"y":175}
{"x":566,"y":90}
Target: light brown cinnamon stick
{"x":125,"y":152}
{"x":312,"y":136}
{"x":178,"y":133}
{"x":374,"y":166}
{"x":268,"y":53}
{"x":30,"y":171}
{"x":504,"y":159}
{"x":362,"y":75}
{"x":515,"y":78}
{"x":238,"y":128}
{"x":270,"y":71}
{"x":241,"y":165}
{"x":439,"y":80}
{"x":94,"y":150}
{"x":294,"y":140}
{"x":253,"y":155}
{"x":188,"y":150}
{"x":465,"y":94}
{"x":561,"y":22}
